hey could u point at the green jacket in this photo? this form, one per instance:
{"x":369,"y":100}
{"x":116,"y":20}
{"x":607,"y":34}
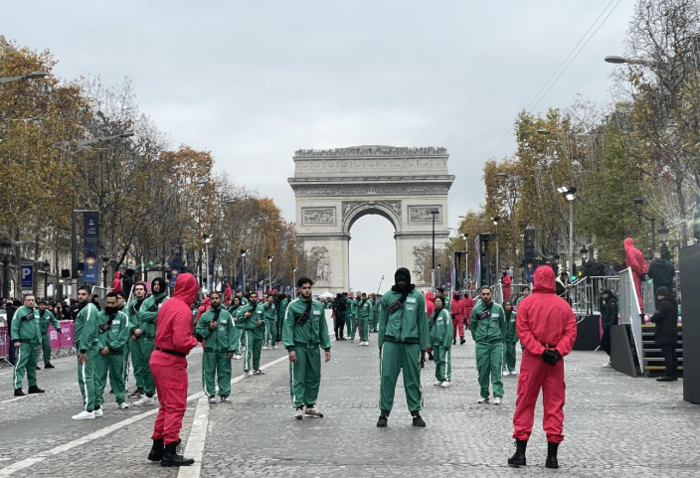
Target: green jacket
{"x":313,"y":333}
{"x":46,"y":317}
{"x":250,"y":323}
{"x":441,"y":330}
{"x":350,"y":308}
{"x":408,"y":324}
{"x":222,"y":339}
{"x":270,"y":311}
{"x":490,"y":329}
{"x":375,"y":306}
{"x":85,"y":328}
{"x":25,"y":326}
{"x":148,"y":314}
{"x":235,"y":313}
{"x":364,"y":310}
{"x":118,"y":334}
{"x":282,"y":309}
{"x":133,"y":310}
{"x":511,"y":332}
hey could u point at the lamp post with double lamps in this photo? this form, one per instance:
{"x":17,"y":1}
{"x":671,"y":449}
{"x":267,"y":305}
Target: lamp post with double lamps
{"x":243,"y":252}
{"x":569,"y":193}
{"x":496,"y":220}
{"x":269,"y":272}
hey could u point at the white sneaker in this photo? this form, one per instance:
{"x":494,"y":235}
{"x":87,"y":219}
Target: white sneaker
{"x":145,"y":401}
{"x":84,"y":415}
{"x":264,"y":347}
{"x":366,"y":344}
{"x":607,"y":365}
{"x":274,"y":347}
{"x":225,"y":400}
{"x":212,"y":399}
{"x":483,"y":400}
{"x":514,"y":372}
{"x":249,"y":373}
{"x":437,"y":383}
{"x":123,"y":405}
{"x":506,"y":373}
{"x":446,"y":384}
{"x":497,"y":401}
{"x":98,"y":413}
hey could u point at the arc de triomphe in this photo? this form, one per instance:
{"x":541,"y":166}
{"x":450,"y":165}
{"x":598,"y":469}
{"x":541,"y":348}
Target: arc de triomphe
{"x":334,"y":188}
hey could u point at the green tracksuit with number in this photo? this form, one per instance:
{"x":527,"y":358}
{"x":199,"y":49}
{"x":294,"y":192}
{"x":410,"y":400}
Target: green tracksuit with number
{"x":375,"y":314}
{"x":85,"y":334}
{"x":355,"y":317}
{"x":364,"y":314}
{"x":509,"y":341}
{"x":114,"y":338}
{"x":305,"y":339}
{"x":440,"y":342}
{"x":46,"y":318}
{"x":133,"y":310}
{"x":402,"y":336}
{"x":218,"y":343}
{"x":26,"y":330}
{"x":488,"y":327}
{"x":148,"y":320}
{"x":271,"y":323}
{"x":253,"y":338}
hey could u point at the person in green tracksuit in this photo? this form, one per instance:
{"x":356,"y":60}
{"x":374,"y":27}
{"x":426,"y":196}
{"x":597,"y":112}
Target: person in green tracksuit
{"x":281,"y":310}
{"x":271,"y":324}
{"x":303,"y":332}
{"x":85,"y":338}
{"x":526,"y":292}
{"x":440,"y":292}
{"x":355,"y":316}
{"x":239,"y":294}
{"x":488,"y":326}
{"x":252,"y":317}
{"x":440,"y":342}
{"x":217,"y":329}
{"x":25,"y":333}
{"x":375,"y":312}
{"x":403,"y":337}
{"x":146,"y":333}
{"x":112,"y":337}
{"x":509,"y":340}
{"x":234,"y":310}
{"x":350,"y":316}
{"x":46,"y":317}
{"x":133,"y":310}
{"x":364,"y":314}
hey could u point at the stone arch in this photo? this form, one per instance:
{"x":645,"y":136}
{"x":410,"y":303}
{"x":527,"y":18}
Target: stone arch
{"x":390,"y":210}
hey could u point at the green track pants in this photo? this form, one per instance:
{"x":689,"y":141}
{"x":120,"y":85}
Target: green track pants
{"x":216,"y":365}
{"x":26,"y":358}
{"x":375,"y":322}
{"x":253,"y":347}
{"x":112,"y":365}
{"x":396,"y":357}
{"x":443,"y":363}
{"x":147,"y":345}
{"x":509,"y":356}
{"x":305,"y":376}
{"x":271,"y":332}
{"x":45,"y":349}
{"x":364,"y":330}
{"x":488,"y":364}
{"x":86,"y":379}
{"x":137,"y":362}
{"x":349,"y":322}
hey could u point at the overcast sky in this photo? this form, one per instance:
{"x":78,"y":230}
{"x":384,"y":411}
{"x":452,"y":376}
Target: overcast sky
{"x":253,"y":81}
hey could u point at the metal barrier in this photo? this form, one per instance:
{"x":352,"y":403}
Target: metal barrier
{"x":648,"y":298}
{"x":498,"y":293}
{"x":630,"y":313}
{"x":3,"y":346}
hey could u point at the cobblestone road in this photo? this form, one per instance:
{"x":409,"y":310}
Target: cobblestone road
{"x":616,"y":426}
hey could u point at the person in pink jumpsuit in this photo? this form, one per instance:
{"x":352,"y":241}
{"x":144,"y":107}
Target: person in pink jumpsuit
{"x":635,"y":261}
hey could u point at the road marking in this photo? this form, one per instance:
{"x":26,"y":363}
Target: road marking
{"x":13,"y":399}
{"x":27,"y":462}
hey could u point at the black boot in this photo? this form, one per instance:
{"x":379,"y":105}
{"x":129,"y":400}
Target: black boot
{"x":19,"y":392}
{"x":382,"y":422}
{"x":171,"y":458}
{"x":35,"y":389}
{"x":157,"y":450}
{"x":48,"y":365}
{"x":462,"y":341}
{"x":454,"y":341}
{"x":518,"y":459}
{"x":552,"y":455}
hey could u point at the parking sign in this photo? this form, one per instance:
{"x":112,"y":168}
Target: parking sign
{"x":27,"y":276}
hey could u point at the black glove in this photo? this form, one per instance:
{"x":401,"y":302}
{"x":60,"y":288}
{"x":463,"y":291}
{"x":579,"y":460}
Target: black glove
{"x":551,"y":356}
{"x":422,"y":358}
{"x":642,"y":277}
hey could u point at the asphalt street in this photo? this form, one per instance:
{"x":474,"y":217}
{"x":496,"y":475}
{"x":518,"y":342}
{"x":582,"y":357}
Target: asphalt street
{"x":616,"y":426}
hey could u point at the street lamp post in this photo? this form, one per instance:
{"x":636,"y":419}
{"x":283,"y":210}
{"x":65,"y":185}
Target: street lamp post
{"x":6,"y":249}
{"x":29,"y":76}
{"x":45,"y":266}
{"x":243,"y":251}
{"x":207,"y":240}
{"x":433,"y":212}
{"x":639,"y":204}
{"x":294,"y":282}
{"x":496,"y":220}
{"x":466,"y":260}
{"x":663,"y":236}
{"x":569,"y":194}
{"x":269,"y":272}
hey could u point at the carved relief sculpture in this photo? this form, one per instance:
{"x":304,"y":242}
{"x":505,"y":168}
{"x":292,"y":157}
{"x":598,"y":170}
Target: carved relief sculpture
{"x":325,"y":215}
{"x":322,"y":264}
{"x":423,"y":214}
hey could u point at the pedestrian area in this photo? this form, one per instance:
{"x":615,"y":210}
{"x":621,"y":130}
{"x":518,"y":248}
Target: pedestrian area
{"x":616,"y":426}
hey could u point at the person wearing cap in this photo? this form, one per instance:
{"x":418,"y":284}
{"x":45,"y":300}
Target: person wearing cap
{"x":666,"y":333}
{"x":488,"y":328}
{"x":403,"y":338}
{"x":46,"y":317}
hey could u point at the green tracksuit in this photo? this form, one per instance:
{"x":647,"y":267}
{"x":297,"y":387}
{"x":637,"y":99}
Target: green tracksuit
{"x":148,"y":319}
{"x":402,"y":337}
{"x":46,"y":318}
{"x":440,"y":342}
{"x":218,"y":343}
{"x":115,"y":338}
{"x":355,"y":318}
{"x":364,"y":314}
{"x":253,"y":338}
{"x":26,"y":330}
{"x":488,"y":333}
{"x":233,"y":310}
{"x":85,"y":334}
{"x":271,"y":323}
{"x":375,"y":314}
{"x":511,"y":338}
{"x":133,"y":346}
{"x":281,"y":310}
{"x":350,"y":317}
{"x":305,"y":340}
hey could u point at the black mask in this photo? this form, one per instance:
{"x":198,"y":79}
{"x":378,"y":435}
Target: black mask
{"x":111,"y":310}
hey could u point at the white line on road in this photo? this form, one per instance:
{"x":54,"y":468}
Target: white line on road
{"x":27,"y":462}
{"x":13,"y":399}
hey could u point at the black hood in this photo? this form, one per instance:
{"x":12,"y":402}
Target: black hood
{"x":402,"y":274}
{"x":163,"y":285}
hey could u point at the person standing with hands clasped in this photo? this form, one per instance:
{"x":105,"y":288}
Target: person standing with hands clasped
{"x":666,"y":333}
{"x":547,"y":329}
{"x":440,"y":342}
{"x":305,"y":330}
{"x":26,"y":336}
{"x":488,"y":328}
{"x":403,"y":337}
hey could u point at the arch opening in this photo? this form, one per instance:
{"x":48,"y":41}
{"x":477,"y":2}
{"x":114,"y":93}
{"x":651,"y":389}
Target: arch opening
{"x":372,"y":253}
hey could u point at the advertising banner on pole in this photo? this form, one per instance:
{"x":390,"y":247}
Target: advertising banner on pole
{"x":91,"y":264}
